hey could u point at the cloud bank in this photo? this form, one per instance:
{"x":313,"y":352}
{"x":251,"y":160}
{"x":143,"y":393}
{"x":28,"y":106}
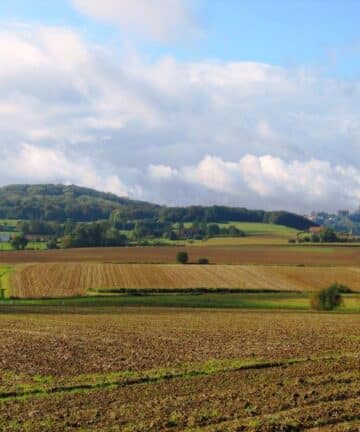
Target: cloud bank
{"x":161,"y":20}
{"x":240,"y":133}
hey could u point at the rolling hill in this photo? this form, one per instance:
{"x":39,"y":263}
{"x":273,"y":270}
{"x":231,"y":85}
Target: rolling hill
{"x":59,"y":203}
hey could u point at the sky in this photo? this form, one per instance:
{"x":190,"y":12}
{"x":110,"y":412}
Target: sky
{"x":179,"y":102}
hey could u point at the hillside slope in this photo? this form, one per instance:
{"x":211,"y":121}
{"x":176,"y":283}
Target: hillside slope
{"x":49,"y":202}
{"x":61,"y":202}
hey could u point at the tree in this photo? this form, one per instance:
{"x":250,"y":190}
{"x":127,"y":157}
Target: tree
{"x":328,"y":298}
{"x":52,"y":244}
{"x":171,"y":235}
{"x":315,"y":238}
{"x":19,"y":241}
{"x":233,"y":231}
{"x":182,"y":257}
{"x":213,"y":230}
{"x":328,"y":235}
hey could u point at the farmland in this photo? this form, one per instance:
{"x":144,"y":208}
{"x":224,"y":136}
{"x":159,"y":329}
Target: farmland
{"x":98,"y":369}
{"x":125,"y":339}
{"x":247,"y":254}
{"x":66,"y":279}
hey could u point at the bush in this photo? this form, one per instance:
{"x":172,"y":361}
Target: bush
{"x":19,"y":241}
{"x":329,"y":298}
{"x":52,"y":244}
{"x":182,"y":257}
{"x":203,"y":261}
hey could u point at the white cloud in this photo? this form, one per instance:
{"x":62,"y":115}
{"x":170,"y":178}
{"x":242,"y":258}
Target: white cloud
{"x":147,"y":125}
{"x":40,"y":165}
{"x":269,"y":182}
{"x":159,"y":19}
{"x":161,"y":172}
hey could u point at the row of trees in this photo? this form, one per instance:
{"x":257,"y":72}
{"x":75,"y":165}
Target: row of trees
{"x":326,"y":235}
{"x":93,"y":235}
{"x":213,"y":214}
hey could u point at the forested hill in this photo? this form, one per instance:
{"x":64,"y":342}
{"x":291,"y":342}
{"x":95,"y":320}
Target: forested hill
{"x":60,"y":203}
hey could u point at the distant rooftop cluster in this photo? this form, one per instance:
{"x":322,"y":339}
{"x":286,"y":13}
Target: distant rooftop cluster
{"x":342,"y":221}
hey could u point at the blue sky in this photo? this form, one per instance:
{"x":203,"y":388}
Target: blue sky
{"x":310,"y":33}
{"x":249,"y":103}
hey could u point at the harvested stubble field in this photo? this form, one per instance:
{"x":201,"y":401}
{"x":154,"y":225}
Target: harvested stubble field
{"x":195,"y":370}
{"x":65,"y":279}
{"x":248,"y":254}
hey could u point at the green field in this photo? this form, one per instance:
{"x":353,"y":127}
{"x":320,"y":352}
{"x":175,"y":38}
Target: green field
{"x":31,"y":245}
{"x":9,"y":222}
{"x":259,"y":229}
{"x":5,"y":280}
{"x":262,"y":301}
{"x":255,"y":233}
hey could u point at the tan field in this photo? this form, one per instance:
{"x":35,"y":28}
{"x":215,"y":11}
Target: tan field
{"x":65,"y":279}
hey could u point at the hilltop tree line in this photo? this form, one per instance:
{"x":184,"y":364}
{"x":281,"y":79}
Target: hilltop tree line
{"x":59,"y":203}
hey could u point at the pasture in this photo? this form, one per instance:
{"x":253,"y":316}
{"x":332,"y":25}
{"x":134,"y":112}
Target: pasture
{"x":153,"y":369}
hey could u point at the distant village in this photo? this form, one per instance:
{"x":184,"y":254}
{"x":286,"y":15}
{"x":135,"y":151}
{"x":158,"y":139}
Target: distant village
{"x":344,"y":221}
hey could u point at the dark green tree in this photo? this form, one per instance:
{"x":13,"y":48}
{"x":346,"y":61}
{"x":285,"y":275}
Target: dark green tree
{"x":182,"y":257}
{"x":19,"y":241}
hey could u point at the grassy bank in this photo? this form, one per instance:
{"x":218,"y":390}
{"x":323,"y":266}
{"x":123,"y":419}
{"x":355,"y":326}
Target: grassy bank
{"x":262,"y":301}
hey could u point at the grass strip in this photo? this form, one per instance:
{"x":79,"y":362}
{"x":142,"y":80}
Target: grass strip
{"x":45,"y":386}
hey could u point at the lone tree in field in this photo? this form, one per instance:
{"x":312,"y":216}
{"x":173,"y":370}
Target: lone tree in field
{"x":182,"y":257}
{"x":328,"y":298}
{"x":19,"y":241}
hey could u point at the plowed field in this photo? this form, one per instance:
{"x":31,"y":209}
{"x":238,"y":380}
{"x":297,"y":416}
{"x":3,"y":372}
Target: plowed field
{"x":157,"y":370}
{"x":282,"y":255}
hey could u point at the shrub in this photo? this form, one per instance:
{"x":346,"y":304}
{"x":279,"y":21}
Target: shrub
{"x":203,"y":261}
{"x":19,"y":241}
{"x":52,"y":244}
{"x":329,"y":298}
{"x":182,"y":257}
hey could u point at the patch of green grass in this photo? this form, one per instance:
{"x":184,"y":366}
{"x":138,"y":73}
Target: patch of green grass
{"x":5,"y":279}
{"x":294,"y":301}
{"x":261,"y":301}
{"x":10,"y":222}
{"x":31,"y":245}
{"x":255,"y":228}
{"x":37,"y":245}
{"x":48,"y":385}
{"x":5,"y":246}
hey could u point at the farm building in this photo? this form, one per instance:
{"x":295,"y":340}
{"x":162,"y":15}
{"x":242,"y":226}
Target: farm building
{"x":316,"y":229}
